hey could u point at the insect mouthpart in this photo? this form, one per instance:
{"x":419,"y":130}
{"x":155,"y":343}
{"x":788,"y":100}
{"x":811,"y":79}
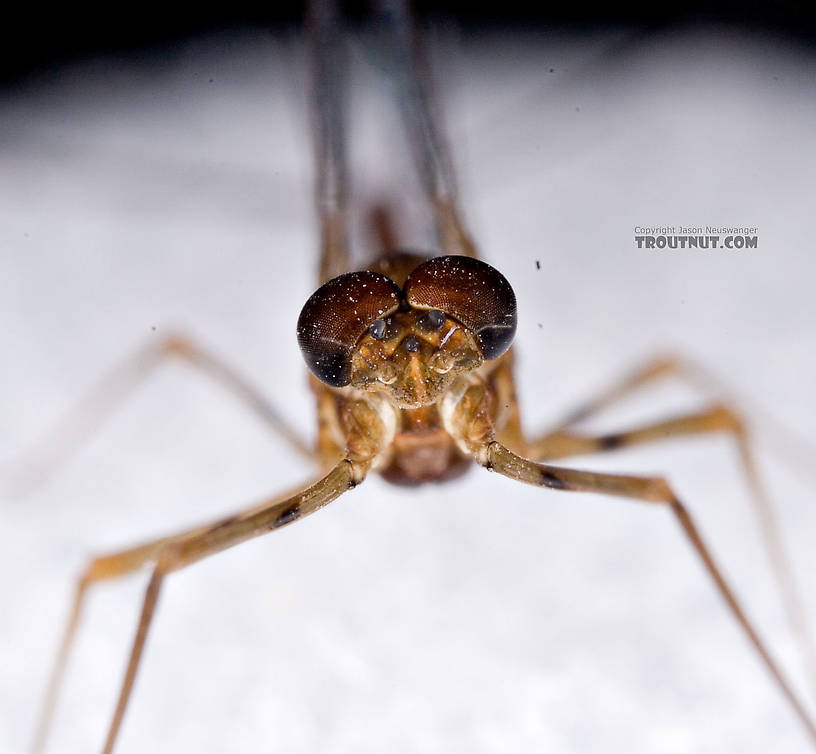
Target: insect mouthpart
{"x":441,"y":362}
{"x":387,"y":373}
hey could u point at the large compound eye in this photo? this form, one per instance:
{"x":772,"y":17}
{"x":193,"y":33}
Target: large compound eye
{"x":471,"y":291}
{"x":336,"y":316}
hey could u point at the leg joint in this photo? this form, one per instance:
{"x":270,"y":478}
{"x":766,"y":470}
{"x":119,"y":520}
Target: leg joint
{"x":729,"y":419}
{"x":658,"y":491}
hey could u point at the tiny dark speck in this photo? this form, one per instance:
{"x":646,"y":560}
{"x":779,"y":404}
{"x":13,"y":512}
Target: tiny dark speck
{"x":538,"y":264}
{"x":552,"y":70}
{"x":610,"y":442}
{"x":551,"y":480}
{"x":541,"y":327}
{"x":287,"y":516}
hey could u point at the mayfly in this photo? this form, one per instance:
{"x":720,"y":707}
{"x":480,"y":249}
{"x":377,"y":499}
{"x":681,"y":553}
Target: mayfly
{"x":412,"y":370}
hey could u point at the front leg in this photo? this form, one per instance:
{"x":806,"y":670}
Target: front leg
{"x":368,"y":432}
{"x":467,"y":415}
{"x":564,"y":441}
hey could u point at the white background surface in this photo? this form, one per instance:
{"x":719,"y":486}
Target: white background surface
{"x":480,"y":616}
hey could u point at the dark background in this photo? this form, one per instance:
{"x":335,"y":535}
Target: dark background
{"x":34,"y":38}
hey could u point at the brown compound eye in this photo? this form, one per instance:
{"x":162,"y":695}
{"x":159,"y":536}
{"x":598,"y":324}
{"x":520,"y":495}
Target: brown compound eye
{"x":470,"y":291}
{"x":337,"y":315}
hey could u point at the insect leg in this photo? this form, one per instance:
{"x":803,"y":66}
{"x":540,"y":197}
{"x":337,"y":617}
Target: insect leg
{"x":175,"y":552}
{"x":652,"y":490}
{"x":53,"y":449}
{"x":368,"y":433}
{"x":468,"y":421}
{"x":422,"y":118}
{"x":563,"y":442}
{"x":329,"y":125}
